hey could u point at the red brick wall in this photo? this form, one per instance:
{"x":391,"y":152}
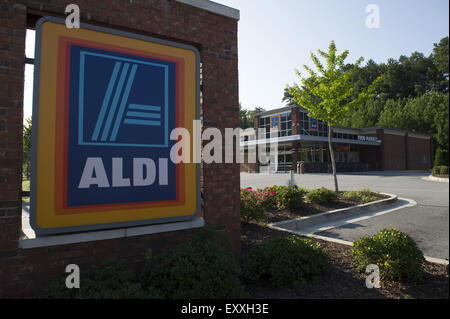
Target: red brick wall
{"x":371,"y":155}
{"x":24,"y":272}
{"x":394,"y":152}
{"x":417,"y":148}
{"x":295,"y":120}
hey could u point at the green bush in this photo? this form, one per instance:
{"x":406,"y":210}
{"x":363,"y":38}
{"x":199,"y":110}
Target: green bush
{"x":286,"y":262}
{"x":291,"y":197}
{"x":365,"y":195}
{"x":268,"y":197}
{"x":277,"y":189}
{"x":203,"y":267}
{"x":321,"y":196}
{"x":394,"y":252}
{"x":114,"y":280}
{"x":440,"y":170}
{"x":436,"y":170}
{"x":251,"y":206}
{"x":441,"y":157}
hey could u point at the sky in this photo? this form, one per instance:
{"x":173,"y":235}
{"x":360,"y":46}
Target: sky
{"x":277,"y":36}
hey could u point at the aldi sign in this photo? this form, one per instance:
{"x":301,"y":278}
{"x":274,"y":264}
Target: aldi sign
{"x":313,"y":125}
{"x":105,"y":104}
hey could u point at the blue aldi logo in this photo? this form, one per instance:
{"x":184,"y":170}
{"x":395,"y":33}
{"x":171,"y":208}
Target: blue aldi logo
{"x":124,"y":109}
{"x":122,"y":101}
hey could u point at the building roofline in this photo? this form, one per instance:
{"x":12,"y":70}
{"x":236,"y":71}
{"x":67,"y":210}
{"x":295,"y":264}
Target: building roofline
{"x":213,"y":7}
{"x":396,"y":130}
{"x":359,"y":130}
{"x":278,"y":110}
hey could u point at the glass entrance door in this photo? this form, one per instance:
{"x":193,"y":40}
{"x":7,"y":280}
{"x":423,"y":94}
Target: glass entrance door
{"x":284,"y":158}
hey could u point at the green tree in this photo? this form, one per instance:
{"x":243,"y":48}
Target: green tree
{"x":243,"y":117}
{"x":26,"y":149}
{"x":441,"y":157}
{"x":427,"y":113}
{"x":440,"y":58}
{"x":246,"y":116}
{"x":327,"y":94}
{"x":366,"y":75}
{"x":287,"y":97}
{"x":441,"y":125}
{"x":366,"y":115}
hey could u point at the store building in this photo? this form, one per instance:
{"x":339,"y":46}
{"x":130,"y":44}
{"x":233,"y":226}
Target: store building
{"x":303,"y":145}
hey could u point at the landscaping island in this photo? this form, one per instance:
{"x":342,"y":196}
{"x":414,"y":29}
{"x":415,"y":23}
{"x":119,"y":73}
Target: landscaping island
{"x":342,"y":281}
{"x":273,"y":264}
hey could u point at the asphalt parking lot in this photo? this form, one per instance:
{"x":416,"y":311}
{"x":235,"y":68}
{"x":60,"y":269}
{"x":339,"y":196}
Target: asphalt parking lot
{"x":427,"y":222}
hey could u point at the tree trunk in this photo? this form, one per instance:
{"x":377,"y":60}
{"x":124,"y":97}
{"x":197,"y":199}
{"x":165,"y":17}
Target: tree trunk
{"x":333,"y":161}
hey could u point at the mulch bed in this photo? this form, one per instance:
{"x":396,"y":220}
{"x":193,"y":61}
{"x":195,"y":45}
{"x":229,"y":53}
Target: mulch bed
{"x":342,"y":281}
{"x":311,"y":209}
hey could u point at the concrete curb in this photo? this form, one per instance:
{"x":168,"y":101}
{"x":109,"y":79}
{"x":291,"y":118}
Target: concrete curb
{"x":310,"y":221}
{"x":432,"y":178}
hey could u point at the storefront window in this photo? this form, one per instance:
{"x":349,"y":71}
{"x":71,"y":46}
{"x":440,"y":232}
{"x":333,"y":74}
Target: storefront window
{"x":285,"y":128}
{"x":322,"y":128}
{"x":314,"y":153}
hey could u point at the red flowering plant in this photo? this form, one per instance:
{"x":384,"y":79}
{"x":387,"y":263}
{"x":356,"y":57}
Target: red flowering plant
{"x":254,"y":202}
{"x":251,"y":208}
{"x":268,"y":198}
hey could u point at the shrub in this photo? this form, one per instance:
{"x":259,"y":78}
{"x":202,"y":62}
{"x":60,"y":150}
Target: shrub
{"x":441,"y":157}
{"x":321,"y":196}
{"x":436,"y":170}
{"x":286,"y":262}
{"x":365,"y":195}
{"x":251,"y":206}
{"x":114,"y":280}
{"x":268,"y":198}
{"x":203,"y":267}
{"x":291,"y":197}
{"x":395,"y":253}
{"x":277,"y":189}
{"x":440,"y":170}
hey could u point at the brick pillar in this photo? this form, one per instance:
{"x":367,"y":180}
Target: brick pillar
{"x":23,"y":271}
{"x":256,"y":125}
{"x":295,"y":118}
{"x":12,"y":57}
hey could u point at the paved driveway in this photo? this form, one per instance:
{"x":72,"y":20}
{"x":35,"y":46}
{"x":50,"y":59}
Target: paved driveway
{"x":427,"y":223}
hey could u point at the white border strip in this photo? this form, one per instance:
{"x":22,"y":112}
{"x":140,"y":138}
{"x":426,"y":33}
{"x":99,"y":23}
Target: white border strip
{"x":56,"y":240}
